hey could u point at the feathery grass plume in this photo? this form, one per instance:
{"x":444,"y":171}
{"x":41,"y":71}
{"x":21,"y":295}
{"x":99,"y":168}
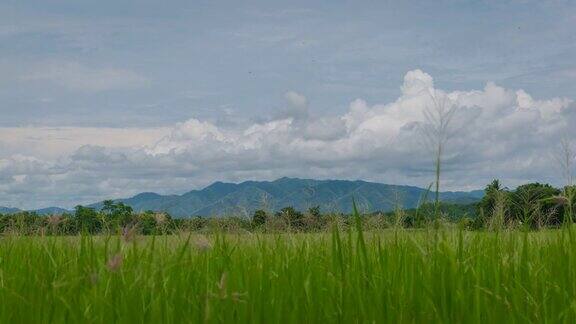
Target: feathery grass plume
{"x":560,"y":200}
{"x":202,"y":244}
{"x":160,"y":218}
{"x":399,"y":213}
{"x":422,"y":200}
{"x":223,"y":293}
{"x":222,"y":285}
{"x":566,"y":156}
{"x":265,"y":204}
{"x":360,"y":232}
{"x":436,"y":130}
{"x":497,"y":220}
{"x":54,"y":220}
{"x":115,"y":262}
{"x":129,"y":232}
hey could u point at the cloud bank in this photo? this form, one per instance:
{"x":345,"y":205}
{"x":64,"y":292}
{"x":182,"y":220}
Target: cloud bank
{"x":496,"y":133}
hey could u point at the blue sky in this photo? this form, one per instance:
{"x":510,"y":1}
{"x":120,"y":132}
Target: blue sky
{"x":110,"y":78}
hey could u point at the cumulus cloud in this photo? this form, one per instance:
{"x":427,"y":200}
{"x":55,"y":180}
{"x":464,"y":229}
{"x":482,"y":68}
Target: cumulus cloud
{"x":496,"y":133}
{"x":76,"y":76}
{"x":415,"y":82}
{"x":297,"y":107}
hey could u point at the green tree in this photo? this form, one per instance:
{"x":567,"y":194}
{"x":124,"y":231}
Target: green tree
{"x":568,"y":203}
{"x":294,"y":218}
{"x":259,"y":218}
{"x":492,"y":210}
{"x":533,"y":204}
{"x":314,"y":211}
{"x":117,"y":214}
{"x":87,"y":219}
{"x":147,"y":223}
{"x":490,"y":196}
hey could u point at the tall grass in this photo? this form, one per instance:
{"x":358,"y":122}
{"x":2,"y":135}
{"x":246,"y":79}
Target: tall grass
{"x":394,"y":276}
{"x":566,"y":157}
{"x":436,"y":131}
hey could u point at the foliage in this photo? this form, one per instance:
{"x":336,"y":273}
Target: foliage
{"x":259,"y":218}
{"x":532,"y":206}
{"x":314,"y":211}
{"x":292,"y":217}
{"x":87,"y":220}
{"x":394,"y":276}
{"x":117,"y":215}
{"x":491,"y":192}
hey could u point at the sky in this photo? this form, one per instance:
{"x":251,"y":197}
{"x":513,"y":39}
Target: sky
{"x":106,"y":99}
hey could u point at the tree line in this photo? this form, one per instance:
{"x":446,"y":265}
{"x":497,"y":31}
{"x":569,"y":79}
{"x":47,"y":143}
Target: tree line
{"x":530,"y":206}
{"x":533,"y":205}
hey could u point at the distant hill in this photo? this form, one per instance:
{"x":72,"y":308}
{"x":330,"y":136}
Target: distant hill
{"x":52,"y":211}
{"x":8,"y":210}
{"x":43,"y":211}
{"x":221,"y":199}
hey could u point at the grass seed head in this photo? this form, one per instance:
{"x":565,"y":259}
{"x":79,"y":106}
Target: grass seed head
{"x":202,"y":244}
{"x":560,"y":200}
{"x":129,"y":233}
{"x":115,"y":263}
{"x":94,"y":278}
{"x":160,"y":218}
{"x":54,"y":220}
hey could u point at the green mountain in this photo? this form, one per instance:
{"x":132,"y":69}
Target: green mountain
{"x":242,"y":199}
{"x":8,"y":210}
{"x":42,"y":211}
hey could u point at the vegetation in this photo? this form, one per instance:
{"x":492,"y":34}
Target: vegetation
{"x":437,"y":131}
{"x":530,"y":206}
{"x":498,"y":260}
{"x":349,"y":275}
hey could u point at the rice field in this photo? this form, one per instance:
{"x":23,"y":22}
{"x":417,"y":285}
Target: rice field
{"x":392,"y":276}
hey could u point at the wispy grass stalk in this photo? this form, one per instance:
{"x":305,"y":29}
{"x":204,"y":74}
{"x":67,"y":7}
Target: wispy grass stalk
{"x":437,"y":131}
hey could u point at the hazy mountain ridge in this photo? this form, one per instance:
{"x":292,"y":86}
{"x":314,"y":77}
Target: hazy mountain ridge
{"x":224,"y":199}
{"x":8,"y":210}
{"x":41,"y":211}
{"x":221,"y":199}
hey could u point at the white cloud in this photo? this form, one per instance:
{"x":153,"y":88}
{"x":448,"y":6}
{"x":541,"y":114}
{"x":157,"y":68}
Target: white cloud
{"x":497,"y":133}
{"x":296,"y":109}
{"x":416,"y":82}
{"x":53,"y":142}
{"x":75,"y":76}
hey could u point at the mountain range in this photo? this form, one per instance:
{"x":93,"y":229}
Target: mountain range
{"x":42,"y":211}
{"x":241,"y":199}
